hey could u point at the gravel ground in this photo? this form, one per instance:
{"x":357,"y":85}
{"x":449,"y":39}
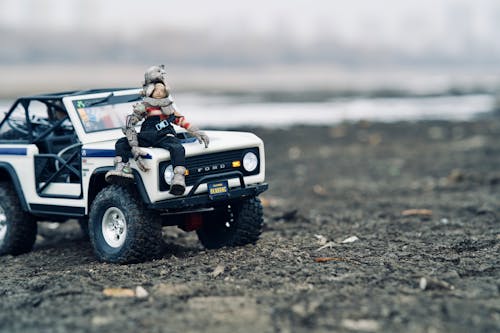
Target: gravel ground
{"x":421,"y":199}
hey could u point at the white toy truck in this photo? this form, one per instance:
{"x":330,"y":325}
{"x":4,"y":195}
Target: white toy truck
{"x":55,"y":150}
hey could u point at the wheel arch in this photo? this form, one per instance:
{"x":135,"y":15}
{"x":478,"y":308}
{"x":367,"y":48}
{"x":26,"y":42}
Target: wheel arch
{"x":97,"y":183}
{"x":8,"y":173}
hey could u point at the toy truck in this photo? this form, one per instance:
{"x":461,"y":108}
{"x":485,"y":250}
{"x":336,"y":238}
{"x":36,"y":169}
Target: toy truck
{"x":56,"y":148}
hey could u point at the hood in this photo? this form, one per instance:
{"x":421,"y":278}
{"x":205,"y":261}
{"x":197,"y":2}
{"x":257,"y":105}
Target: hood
{"x":219,"y":141}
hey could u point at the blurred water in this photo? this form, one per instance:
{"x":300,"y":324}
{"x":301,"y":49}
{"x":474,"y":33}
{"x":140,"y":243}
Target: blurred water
{"x":217,"y":111}
{"x":226,"y":112}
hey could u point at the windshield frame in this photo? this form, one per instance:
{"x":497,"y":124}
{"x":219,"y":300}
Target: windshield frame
{"x":93,"y":104}
{"x":103,"y":134}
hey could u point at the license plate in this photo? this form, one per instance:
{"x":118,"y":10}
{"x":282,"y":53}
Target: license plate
{"x":217,"y":189}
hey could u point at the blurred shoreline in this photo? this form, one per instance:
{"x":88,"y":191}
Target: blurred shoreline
{"x":273,"y":82}
{"x":281,"y":96}
{"x":230,"y":112}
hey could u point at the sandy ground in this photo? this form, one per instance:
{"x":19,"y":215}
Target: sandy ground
{"x":433,"y":269}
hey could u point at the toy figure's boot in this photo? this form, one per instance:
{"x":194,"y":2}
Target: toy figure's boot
{"x":122,"y":173}
{"x":178,"y":182}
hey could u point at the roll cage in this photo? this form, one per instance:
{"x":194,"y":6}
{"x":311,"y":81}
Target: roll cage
{"x":59,"y":157}
{"x":54,"y":103}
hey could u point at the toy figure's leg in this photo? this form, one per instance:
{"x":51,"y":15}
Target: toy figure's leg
{"x":177,"y":156}
{"x":122,"y":173}
{"x":123,"y":149}
{"x":176,"y":149}
{"x":178,"y":182}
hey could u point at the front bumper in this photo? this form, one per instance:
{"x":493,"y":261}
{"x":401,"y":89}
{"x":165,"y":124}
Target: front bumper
{"x":204,"y":200}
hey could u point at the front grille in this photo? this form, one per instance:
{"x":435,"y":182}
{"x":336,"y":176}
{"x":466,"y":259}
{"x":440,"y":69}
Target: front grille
{"x":210,"y":164}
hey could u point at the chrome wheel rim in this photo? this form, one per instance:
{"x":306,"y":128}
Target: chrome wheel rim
{"x":3,"y":224}
{"x":114,"y":227}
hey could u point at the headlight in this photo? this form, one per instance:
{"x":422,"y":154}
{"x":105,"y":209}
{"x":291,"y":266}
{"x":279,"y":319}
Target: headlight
{"x":250,"y":161}
{"x":168,"y":175}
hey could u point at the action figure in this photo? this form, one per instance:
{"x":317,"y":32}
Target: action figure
{"x":160,"y":112}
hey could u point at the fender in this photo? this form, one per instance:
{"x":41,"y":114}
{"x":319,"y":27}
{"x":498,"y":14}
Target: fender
{"x":17,"y":185}
{"x":139,"y":183}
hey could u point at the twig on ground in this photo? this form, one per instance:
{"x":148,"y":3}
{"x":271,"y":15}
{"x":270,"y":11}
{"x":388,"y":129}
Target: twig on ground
{"x":426,"y":283}
{"x":327,"y":245}
{"x":326,"y":259}
{"x":417,"y":212}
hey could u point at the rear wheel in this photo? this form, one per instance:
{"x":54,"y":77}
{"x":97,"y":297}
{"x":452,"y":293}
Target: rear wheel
{"x":121,"y":229}
{"x":17,"y":228}
{"x":232,"y":225}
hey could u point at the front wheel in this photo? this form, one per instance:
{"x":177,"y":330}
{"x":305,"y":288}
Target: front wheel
{"x":232,"y":225}
{"x":121,"y":229}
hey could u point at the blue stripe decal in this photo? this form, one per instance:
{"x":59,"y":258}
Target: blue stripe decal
{"x":98,"y":153}
{"x":104,"y":153}
{"x":13,"y":151}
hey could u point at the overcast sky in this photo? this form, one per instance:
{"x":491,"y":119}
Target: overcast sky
{"x":390,"y":20}
{"x":449,"y":27}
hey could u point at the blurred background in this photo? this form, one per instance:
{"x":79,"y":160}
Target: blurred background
{"x":264,"y":63}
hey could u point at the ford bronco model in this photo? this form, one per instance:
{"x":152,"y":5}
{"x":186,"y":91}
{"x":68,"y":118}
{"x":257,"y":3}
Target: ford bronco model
{"x":55,"y":150}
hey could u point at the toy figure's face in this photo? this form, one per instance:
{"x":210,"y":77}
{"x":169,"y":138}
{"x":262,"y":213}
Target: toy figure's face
{"x":160,"y":91}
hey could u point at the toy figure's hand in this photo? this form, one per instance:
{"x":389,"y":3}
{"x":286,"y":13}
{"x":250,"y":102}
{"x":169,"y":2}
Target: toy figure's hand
{"x":138,"y":153}
{"x":140,"y":163}
{"x":201,"y":137}
{"x":139,"y":108}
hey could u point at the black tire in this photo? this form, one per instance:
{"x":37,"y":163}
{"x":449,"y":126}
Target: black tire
{"x":245,"y":225}
{"x":18,"y":227}
{"x":141,"y":231}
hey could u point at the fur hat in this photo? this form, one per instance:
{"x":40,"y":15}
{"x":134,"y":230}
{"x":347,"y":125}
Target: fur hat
{"x":154,"y":74}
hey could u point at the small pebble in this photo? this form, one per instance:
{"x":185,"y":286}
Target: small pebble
{"x":351,"y":239}
{"x":322,"y":240}
{"x":140,"y":292}
{"x":294,"y":153}
{"x":217,"y":271}
{"x":423,"y":283}
{"x":365,"y":325}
